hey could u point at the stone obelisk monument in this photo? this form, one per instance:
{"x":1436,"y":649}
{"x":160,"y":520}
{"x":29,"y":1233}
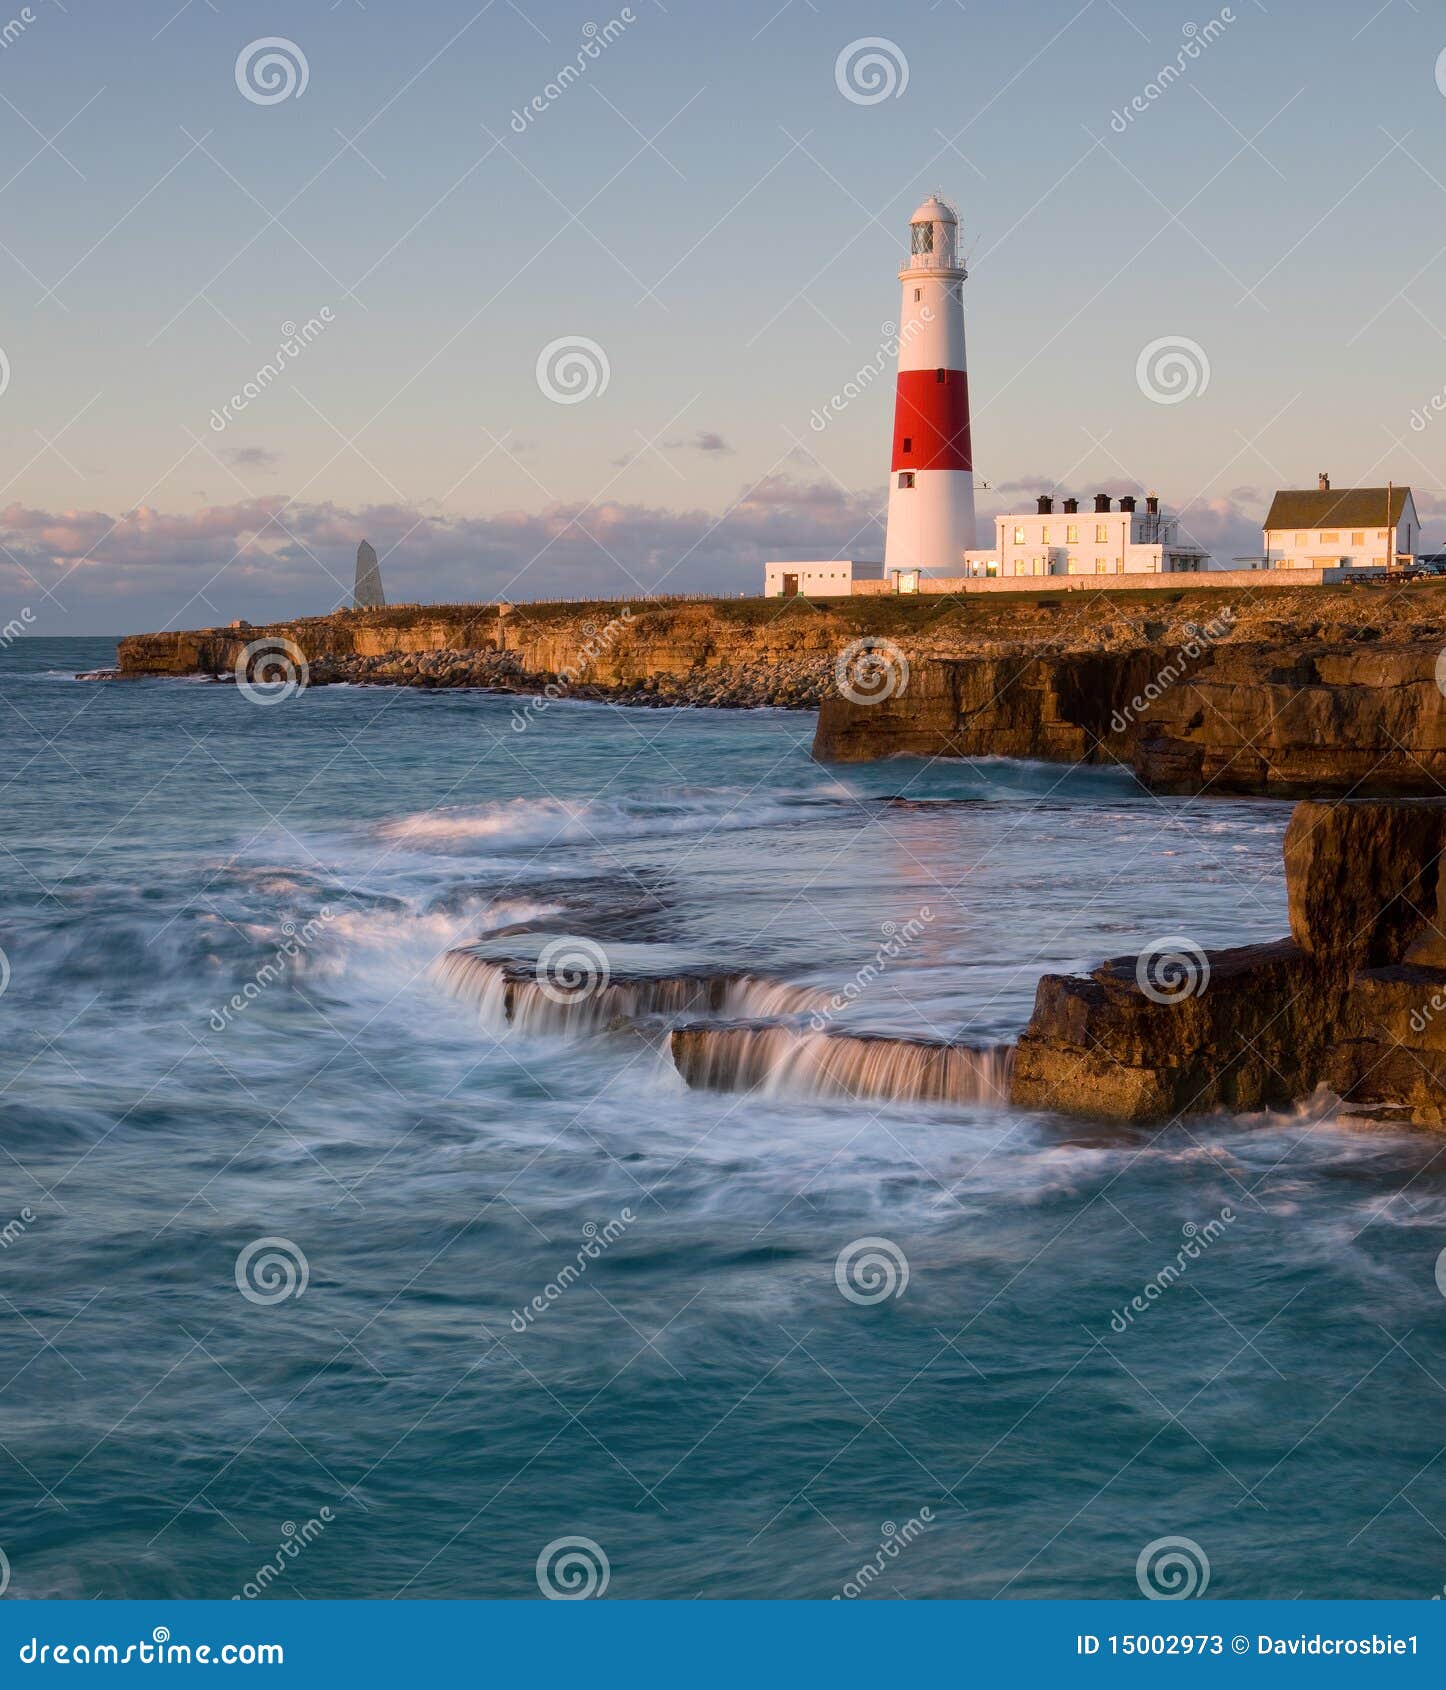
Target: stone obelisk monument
{"x":368,"y":594}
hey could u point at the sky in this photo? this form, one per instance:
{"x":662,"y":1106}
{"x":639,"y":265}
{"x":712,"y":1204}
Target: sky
{"x":629,"y":331}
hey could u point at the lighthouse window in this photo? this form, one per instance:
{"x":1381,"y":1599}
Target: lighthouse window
{"x":906,"y":478}
{"x":922,"y":237}
{"x":918,"y":295}
{"x":938,"y":375}
{"x":908,"y":443}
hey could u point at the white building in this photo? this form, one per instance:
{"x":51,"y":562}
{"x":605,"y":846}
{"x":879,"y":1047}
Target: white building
{"x":1103,"y":541}
{"x":831,"y":579}
{"x":931,"y":473}
{"x":1346,"y":527}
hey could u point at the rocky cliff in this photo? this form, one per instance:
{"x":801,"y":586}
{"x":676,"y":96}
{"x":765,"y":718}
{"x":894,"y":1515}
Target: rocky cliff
{"x":1261,"y":711}
{"x":1354,"y":999}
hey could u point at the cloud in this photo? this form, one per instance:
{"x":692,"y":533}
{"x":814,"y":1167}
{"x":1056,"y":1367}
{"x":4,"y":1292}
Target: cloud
{"x":267,"y":557}
{"x":250,"y":457}
{"x":705,"y":440}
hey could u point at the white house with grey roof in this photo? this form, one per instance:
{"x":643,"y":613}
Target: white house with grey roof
{"x":1339,"y":528}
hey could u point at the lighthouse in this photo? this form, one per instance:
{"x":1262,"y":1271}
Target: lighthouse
{"x":931,"y":471}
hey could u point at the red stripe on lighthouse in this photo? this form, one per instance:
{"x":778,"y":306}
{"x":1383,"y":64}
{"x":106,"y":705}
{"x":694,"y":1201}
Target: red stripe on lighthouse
{"x":931,"y":418}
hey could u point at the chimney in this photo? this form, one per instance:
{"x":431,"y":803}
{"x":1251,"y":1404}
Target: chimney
{"x":1152,"y":503}
{"x":1102,"y":502}
{"x":1323,"y":482}
{"x":1046,"y":505}
{"x":1071,"y":506}
{"x":1127,"y":503}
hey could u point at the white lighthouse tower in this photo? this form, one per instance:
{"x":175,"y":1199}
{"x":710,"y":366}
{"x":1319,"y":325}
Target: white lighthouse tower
{"x":931,"y":479}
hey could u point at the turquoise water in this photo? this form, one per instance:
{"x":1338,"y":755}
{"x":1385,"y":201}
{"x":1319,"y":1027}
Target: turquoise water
{"x":700,"y":1400}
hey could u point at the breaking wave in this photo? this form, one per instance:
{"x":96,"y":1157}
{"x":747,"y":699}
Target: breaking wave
{"x":783,"y":1062}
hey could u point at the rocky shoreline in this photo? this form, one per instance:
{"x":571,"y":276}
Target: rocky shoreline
{"x":1354,"y":1000}
{"x":800,"y":684}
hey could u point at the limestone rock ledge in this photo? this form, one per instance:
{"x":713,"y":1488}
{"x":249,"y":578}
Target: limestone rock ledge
{"x":1355,"y":999}
{"x":1285,"y":719}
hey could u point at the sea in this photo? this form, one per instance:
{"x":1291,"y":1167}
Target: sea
{"x":338,"y":1258}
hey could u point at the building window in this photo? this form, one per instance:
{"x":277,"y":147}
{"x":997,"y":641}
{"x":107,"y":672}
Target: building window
{"x":1358,"y":539}
{"x":1020,"y":567}
{"x":1039,"y":566}
{"x":1380,"y":533}
{"x":1071,"y":564}
{"x":1102,"y":533}
{"x":1019,"y":536}
{"x":1044,"y":535}
{"x":1330,"y":539}
{"x":1102,"y":566}
{"x":1071,"y":533}
{"x":1300,"y":538}
{"x":908,"y":443}
{"x":906,"y":478}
